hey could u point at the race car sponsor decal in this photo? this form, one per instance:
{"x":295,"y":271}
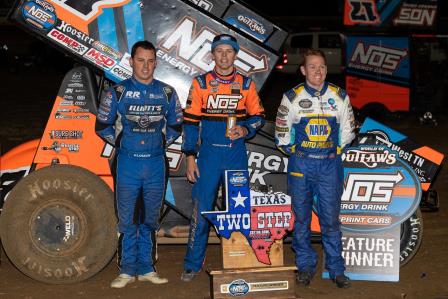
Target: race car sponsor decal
{"x":248,"y":24}
{"x":260,"y":217}
{"x":121,"y":72}
{"x":39,"y":13}
{"x":66,"y":134}
{"x":58,"y":146}
{"x":69,"y":116}
{"x":74,"y":33}
{"x":108,"y":50}
{"x":67,"y":42}
{"x":100,"y":59}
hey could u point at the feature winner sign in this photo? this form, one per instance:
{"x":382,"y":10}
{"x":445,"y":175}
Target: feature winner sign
{"x":252,"y":228}
{"x":381,"y":191}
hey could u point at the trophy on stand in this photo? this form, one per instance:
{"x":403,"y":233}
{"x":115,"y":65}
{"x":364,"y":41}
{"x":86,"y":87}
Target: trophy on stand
{"x":252,"y":228}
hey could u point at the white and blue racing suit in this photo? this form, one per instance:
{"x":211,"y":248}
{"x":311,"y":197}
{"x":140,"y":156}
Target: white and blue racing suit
{"x":312,"y":127}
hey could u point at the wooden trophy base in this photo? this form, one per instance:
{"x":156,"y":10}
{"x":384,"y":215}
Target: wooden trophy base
{"x":269,"y":282}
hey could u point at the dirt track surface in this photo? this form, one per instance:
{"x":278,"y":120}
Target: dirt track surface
{"x":24,"y":113}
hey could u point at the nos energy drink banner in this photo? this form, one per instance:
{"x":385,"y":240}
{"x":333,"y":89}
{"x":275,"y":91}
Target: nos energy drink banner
{"x":390,"y":13}
{"x":378,"y":71}
{"x":380,"y":192}
{"x":101,"y":33}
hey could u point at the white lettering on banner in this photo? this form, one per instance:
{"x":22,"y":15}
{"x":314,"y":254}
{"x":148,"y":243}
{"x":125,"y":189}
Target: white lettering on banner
{"x":371,"y":252}
{"x":369,"y":159}
{"x":39,"y":13}
{"x":196,"y":52}
{"x":377,"y":58}
{"x":273,"y":219}
{"x":177,"y":63}
{"x":375,"y":188}
{"x":233,"y":221}
{"x":411,"y":14}
{"x":258,"y":163}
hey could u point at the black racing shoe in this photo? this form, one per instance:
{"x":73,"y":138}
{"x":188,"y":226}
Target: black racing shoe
{"x":188,"y":275}
{"x":304,"y":277}
{"x":342,"y":281}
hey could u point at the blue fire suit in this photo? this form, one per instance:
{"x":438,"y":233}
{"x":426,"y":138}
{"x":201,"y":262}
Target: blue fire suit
{"x":140,"y":121}
{"x":211,"y":100}
{"x":313,"y":127}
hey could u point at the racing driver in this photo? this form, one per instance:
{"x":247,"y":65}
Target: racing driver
{"x":140,"y":116}
{"x":223,"y":109}
{"x":314,"y":123}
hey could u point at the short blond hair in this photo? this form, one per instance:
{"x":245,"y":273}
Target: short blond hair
{"x":312,"y":52}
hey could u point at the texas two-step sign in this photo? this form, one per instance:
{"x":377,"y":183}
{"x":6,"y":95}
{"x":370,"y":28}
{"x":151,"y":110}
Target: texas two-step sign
{"x":262,"y":218}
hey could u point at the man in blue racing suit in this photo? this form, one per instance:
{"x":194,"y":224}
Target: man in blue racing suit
{"x":223,"y":109}
{"x":314,"y":123}
{"x":140,"y":116}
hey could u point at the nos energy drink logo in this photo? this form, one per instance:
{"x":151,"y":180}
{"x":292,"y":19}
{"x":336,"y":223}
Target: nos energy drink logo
{"x":380,"y":189}
{"x":40,"y":14}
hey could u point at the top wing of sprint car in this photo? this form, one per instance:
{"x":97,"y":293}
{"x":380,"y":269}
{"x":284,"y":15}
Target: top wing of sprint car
{"x":99,"y":35}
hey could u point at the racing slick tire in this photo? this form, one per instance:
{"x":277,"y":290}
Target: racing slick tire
{"x":58,"y":224}
{"x":411,"y":236}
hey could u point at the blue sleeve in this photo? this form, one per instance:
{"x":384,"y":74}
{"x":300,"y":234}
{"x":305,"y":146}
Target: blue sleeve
{"x":253,"y":124}
{"x":190,"y":138}
{"x":174,"y":119}
{"x":107,"y":114}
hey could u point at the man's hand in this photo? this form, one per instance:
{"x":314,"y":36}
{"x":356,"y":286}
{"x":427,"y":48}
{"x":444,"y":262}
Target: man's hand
{"x":238,"y":132}
{"x":192,"y":170}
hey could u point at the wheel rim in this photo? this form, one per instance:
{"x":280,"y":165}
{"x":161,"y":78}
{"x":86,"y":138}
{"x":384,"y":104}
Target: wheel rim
{"x":57,"y":228}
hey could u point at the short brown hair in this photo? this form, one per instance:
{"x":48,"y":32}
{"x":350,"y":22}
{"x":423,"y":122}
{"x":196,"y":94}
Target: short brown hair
{"x":312,"y":52}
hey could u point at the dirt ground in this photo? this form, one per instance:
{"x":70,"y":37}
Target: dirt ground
{"x":26,"y":100}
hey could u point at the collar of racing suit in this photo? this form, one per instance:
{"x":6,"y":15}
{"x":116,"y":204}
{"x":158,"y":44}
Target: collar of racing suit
{"x":315,"y":92}
{"x":140,"y":85}
{"x":224,"y":79}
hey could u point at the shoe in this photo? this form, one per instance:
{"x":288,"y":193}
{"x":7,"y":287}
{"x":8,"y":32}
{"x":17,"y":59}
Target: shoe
{"x":121,"y":281}
{"x":304,"y":277}
{"x":152,"y":277}
{"x":342,"y":281}
{"x":188,"y":275}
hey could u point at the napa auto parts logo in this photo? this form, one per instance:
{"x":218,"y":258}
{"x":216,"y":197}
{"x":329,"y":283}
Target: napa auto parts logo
{"x":188,"y":49}
{"x":380,"y":189}
{"x":40,"y":14}
{"x":376,"y":58}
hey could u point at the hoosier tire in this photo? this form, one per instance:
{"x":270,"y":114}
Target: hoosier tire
{"x":58,"y":225}
{"x":411,"y":235}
